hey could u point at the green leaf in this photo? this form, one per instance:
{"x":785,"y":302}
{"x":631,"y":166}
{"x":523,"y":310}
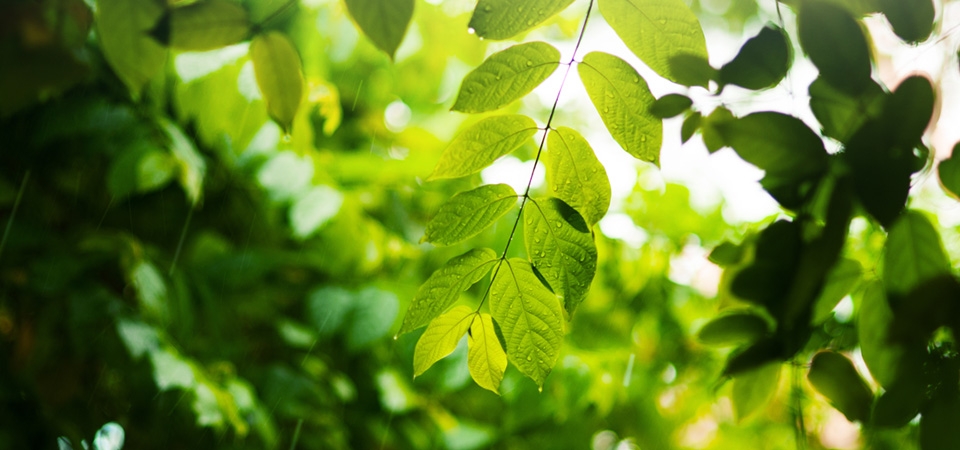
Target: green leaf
{"x":841,"y":115}
{"x":481,"y":144}
{"x":781,"y":145}
{"x":938,"y":423}
{"x":912,"y":20}
{"x":530,"y":317}
{"x":656,"y":31}
{"x":690,"y":126}
{"x":506,"y":76}
{"x":834,"y":376}
{"x":726,"y":254}
{"x":193,"y":168}
{"x":949,"y":173}
{"x":710,"y":128}
{"x":752,"y":390}
{"x":836,"y":45}
{"x":122,"y":26}
{"x":204,"y":25}
{"x":898,"y":405}
{"x":485,"y":357}
{"x":469,"y":213}
{"x":560,"y":246}
{"x":383,"y":21}
{"x":170,"y":370}
{"x":276,"y":65}
{"x":754,"y":356}
{"x":373,"y":314}
{"x":441,"y":338}
{"x":670,"y":105}
{"x":913,"y":254}
{"x":692,"y":70}
{"x":623,"y":100}
{"x":444,"y":286}
{"x":504,"y":19}
{"x":314,"y":209}
{"x":151,"y":290}
{"x":575,"y":175}
{"x":761,"y":63}
{"x":734,"y":328}
{"x":840,"y":281}
{"x":880,"y":353}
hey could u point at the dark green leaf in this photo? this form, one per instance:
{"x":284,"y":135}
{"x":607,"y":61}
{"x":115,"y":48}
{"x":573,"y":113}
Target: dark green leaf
{"x":276,"y":65}
{"x":836,"y":45}
{"x":504,"y":19}
{"x":840,"y":281}
{"x":761,"y":63}
{"x":938,"y":423}
{"x":692,"y":70}
{"x":506,"y":76}
{"x":913,"y":254}
{"x":711,"y":126}
{"x":949,"y":172}
{"x":734,"y":328}
{"x":469,"y":213}
{"x":912,"y":20}
{"x":690,"y":126}
{"x":383,"y":21}
{"x":898,"y":405}
{"x":122,"y":27}
{"x":480,"y":145}
{"x":670,"y":105}
{"x":753,"y":389}
{"x":575,"y":175}
{"x":754,"y":356}
{"x":204,"y":25}
{"x":834,"y":376}
{"x":781,"y":145}
{"x":840,"y":114}
{"x":726,"y":254}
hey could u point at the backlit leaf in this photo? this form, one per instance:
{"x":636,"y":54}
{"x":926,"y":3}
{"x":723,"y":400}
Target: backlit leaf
{"x":752,"y":390}
{"x":690,"y":126}
{"x":481,"y":144}
{"x":913,"y":253}
{"x":834,"y":376}
{"x":575,"y":175}
{"x":656,"y":31}
{"x":485,"y":357}
{"x":530,"y":317}
{"x":469,"y":213}
{"x":733,"y":328}
{"x":506,"y":76}
{"x":383,"y":21}
{"x":561,"y":247}
{"x":840,"y":114}
{"x":779,"y":144}
{"x":842,"y":278}
{"x":441,"y":338}
{"x":761,"y":63}
{"x":623,"y":100}
{"x":671,"y":105}
{"x":277,"y":67}
{"x":949,"y":172}
{"x":444,"y":286}
{"x":503,"y":19}
{"x":836,"y":45}
{"x":193,"y":168}
{"x":204,"y":25}
{"x":881,"y":355}
{"x":123,"y":27}
{"x":912,"y":20}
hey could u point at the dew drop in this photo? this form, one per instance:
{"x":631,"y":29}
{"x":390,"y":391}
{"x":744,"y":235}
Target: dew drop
{"x":540,"y":389}
{"x":663,"y":21}
{"x":530,"y":23}
{"x":471,"y":30}
{"x":636,"y":79}
{"x":610,"y":94}
{"x":519,"y":9}
{"x":529,"y":63}
{"x":396,"y":336}
{"x":287,"y":138}
{"x":529,"y":358}
{"x":559,"y":225}
{"x":582,"y":258}
{"x":488,"y":8}
{"x":643,"y":139}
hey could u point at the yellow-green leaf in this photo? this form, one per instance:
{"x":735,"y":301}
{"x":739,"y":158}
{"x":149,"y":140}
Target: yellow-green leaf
{"x":657,"y":31}
{"x":443,"y":288}
{"x":530,"y":317}
{"x":561,"y":247}
{"x":276,"y":65}
{"x":383,"y":21}
{"x":441,"y":338}
{"x":204,"y":25}
{"x":503,"y":19}
{"x":469,"y":213}
{"x":575,"y":175}
{"x":485,"y":356}
{"x":623,"y":100}
{"x":506,"y":76}
{"x":753,"y":389}
{"x":123,"y":27}
{"x":834,"y":376}
{"x":481,"y":144}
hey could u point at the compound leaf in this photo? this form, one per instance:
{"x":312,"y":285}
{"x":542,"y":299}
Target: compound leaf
{"x":575,"y":175}
{"x":481,"y":144}
{"x":506,"y":76}
{"x":485,"y":357}
{"x":441,"y":338}
{"x":469,"y":213}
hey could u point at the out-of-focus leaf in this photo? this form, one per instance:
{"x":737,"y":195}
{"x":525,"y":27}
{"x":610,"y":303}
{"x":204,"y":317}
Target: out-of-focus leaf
{"x":560,"y":246}
{"x":192,"y":166}
{"x":441,"y":337}
{"x":139,"y":338}
{"x":836,"y":45}
{"x":752,"y":390}
{"x":151,"y":289}
{"x":109,"y":437}
{"x":575,"y":175}
{"x":949,"y":173}
{"x":898,"y":405}
{"x":840,"y":114}
{"x":503,"y":19}
{"x":834,"y":376}
{"x":383,"y":21}
{"x":171,"y":371}
{"x":328,"y":308}
{"x":469,"y":213}
{"x":481,"y":144}
{"x":938,"y":423}
{"x":711,"y":125}
{"x":314,"y":210}
{"x":690,"y":126}
{"x":912,"y":20}
{"x":443,"y":288}
{"x":881,"y":355}
{"x":373,"y":315}
{"x":486,"y":358}
{"x":761,"y":63}
{"x":286,"y":176}
{"x":726,"y":254}
{"x":656,"y":31}
{"x":530,"y":316}
{"x":913,"y":253}
{"x":277,"y":67}
{"x":623,"y":100}
{"x":734,"y":328}
{"x":670,"y":105}
{"x":756,"y":355}
{"x":842,"y":278}
{"x":506,"y":76}
{"x":122,"y":26}
{"x":203,"y":25}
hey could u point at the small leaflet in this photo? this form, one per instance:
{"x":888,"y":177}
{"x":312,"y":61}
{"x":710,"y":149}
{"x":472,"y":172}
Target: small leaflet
{"x":441,"y":338}
{"x":469,"y":213}
{"x":483,"y":143}
{"x":485,"y":357}
{"x":506,"y":76}
{"x":276,"y":65}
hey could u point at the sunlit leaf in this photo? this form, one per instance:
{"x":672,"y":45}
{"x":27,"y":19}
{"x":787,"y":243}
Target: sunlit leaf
{"x":879,"y":352}
{"x":441,"y":337}
{"x":506,"y":76}
{"x":204,"y":25}
{"x":561,"y":247}
{"x":842,"y":278}
{"x":485,"y":357}
{"x":836,"y":45}
{"x":530,"y":316}
{"x":761,"y":63}
{"x":623,"y":100}
{"x":503,"y":19}
{"x":914,"y":253}
{"x":834,"y":376}
{"x":444,"y":286}
{"x":671,"y":105}
{"x":949,"y":173}
{"x":656,"y":31}
{"x":779,"y":144}
{"x":481,"y":144}
{"x":575,"y":175}
{"x":469,"y":213}
{"x":171,"y":371}
{"x":277,"y":67}
{"x":383,"y":21}
{"x":122,"y":26}
{"x":752,"y":390}
{"x":840,"y":114}
{"x":734,"y":328}
{"x":912,"y":20}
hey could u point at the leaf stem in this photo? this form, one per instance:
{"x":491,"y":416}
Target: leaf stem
{"x":536,"y":160}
